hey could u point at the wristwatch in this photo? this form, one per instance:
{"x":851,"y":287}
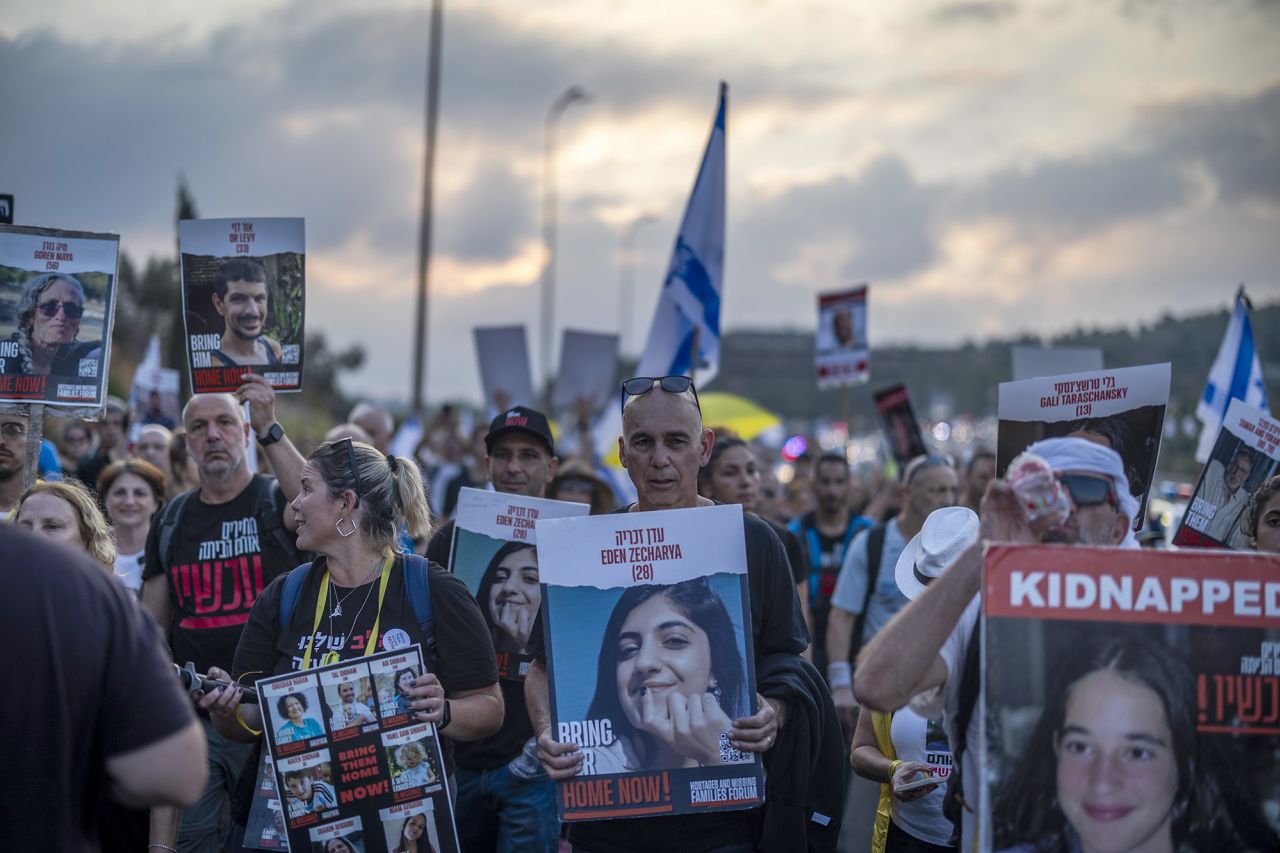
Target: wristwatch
{"x":274,"y":433}
{"x":446,"y":719}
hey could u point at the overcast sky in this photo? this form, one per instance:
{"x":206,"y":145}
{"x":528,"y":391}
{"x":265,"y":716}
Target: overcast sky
{"x":988,"y":167}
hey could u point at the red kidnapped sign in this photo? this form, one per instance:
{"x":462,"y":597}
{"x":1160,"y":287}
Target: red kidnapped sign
{"x":1064,"y":582}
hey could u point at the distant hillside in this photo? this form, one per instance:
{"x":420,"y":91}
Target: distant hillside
{"x":776,"y":370}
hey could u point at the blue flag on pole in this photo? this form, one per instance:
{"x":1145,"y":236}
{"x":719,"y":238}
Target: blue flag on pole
{"x":685,"y":336}
{"x":1236,"y":374}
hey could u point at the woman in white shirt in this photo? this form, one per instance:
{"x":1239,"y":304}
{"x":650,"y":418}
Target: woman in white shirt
{"x":133,"y":492}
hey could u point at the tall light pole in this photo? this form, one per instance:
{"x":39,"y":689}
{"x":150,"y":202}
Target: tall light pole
{"x":627,"y":274}
{"x":549,"y":151}
{"x":424,"y":232}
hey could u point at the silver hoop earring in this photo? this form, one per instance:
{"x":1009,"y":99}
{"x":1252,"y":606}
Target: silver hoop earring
{"x":338,"y":526}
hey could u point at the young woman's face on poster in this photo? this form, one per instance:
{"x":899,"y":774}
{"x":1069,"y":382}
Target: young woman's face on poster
{"x":515,"y":592}
{"x":1117,"y":771}
{"x":415,"y":827}
{"x":1268,"y":532}
{"x":660,"y":651}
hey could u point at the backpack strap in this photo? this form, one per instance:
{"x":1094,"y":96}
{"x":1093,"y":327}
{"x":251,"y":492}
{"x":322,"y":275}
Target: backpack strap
{"x":417,"y":585}
{"x":169,"y":522}
{"x":289,"y":594}
{"x":953,"y":803}
{"x":875,"y":552}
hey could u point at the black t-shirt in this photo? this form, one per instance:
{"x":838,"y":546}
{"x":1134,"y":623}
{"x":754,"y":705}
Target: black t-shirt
{"x":505,"y":744}
{"x":777,"y":626}
{"x":87,"y":677}
{"x":223,"y":559}
{"x":465,"y":657}
{"x":795,"y":551}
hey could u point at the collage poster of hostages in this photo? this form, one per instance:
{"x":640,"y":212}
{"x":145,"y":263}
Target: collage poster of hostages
{"x":350,"y":760}
{"x":57,"y":307}
{"x":1130,"y":688}
{"x":649,"y":656}
{"x":1122,"y":409}
{"x":841,"y":352}
{"x":243,"y":301}
{"x":494,"y":552}
{"x":1244,"y":456}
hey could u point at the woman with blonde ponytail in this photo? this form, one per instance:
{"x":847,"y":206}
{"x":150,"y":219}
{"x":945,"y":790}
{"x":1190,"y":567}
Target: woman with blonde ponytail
{"x":351,"y":507}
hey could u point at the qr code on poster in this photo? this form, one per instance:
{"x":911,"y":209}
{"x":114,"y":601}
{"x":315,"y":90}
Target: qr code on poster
{"x":89,"y":367}
{"x":729,"y":754}
{"x":289,"y":353}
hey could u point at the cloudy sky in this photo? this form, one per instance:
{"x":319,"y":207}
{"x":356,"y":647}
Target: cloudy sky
{"x":989,"y":167}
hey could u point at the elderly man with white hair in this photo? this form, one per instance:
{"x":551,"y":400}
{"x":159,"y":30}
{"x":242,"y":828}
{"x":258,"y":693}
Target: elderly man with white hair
{"x":933,"y":642}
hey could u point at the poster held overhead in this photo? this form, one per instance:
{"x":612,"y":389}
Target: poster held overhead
{"x":899,"y":425}
{"x":1122,"y":409}
{"x":57,"y":308}
{"x":1125,"y":685}
{"x":1246,"y":455}
{"x":618,"y":589}
{"x":840,"y":344}
{"x":243,"y":301}
{"x":153,"y":399}
{"x":505,"y":374}
{"x":588,"y":363}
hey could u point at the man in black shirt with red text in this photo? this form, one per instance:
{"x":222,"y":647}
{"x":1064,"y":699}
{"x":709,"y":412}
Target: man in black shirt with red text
{"x":663,"y":446}
{"x":210,"y":553}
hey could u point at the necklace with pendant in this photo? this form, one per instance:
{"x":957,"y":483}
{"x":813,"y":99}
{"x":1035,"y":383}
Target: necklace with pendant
{"x":338,"y":602}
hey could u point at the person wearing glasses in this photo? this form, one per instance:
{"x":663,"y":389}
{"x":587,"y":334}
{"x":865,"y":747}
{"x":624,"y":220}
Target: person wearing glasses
{"x":210,"y":553}
{"x":866,"y":596}
{"x":49,"y":313}
{"x":931,"y":643}
{"x":13,"y":461}
{"x":662,"y":447}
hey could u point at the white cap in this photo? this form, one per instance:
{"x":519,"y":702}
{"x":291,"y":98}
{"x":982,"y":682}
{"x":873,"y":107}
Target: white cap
{"x":944,"y":535}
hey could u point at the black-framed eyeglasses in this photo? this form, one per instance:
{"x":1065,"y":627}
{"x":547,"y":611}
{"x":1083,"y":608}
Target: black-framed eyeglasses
{"x":1087,"y":490}
{"x":73,"y":310}
{"x":638,"y":386}
{"x":355,"y":467}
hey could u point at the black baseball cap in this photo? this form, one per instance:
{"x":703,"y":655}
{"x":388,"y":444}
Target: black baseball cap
{"x":520,"y":419}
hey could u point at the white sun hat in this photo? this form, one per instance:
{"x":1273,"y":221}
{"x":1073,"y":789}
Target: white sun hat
{"x":945,"y":534}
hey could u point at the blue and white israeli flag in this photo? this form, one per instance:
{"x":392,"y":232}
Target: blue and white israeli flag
{"x":685,"y":336}
{"x":1236,"y":374}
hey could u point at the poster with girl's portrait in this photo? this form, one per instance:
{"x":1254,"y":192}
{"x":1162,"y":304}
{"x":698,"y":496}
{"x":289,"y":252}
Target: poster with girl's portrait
{"x":1245,"y":455}
{"x":243,"y":301}
{"x":1132,"y":699}
{"x":649,"y":660}
{"x":494,"y":552}
{"x":57,"y":307}
{"x":410,"y":826}
{"x":840,"y":347}
{"x":1122,"y":409}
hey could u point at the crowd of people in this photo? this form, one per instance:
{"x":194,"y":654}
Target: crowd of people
{"x":846,"y":565}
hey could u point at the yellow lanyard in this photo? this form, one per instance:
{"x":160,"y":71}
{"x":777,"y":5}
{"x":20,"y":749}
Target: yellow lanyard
{"x":332,"y":657}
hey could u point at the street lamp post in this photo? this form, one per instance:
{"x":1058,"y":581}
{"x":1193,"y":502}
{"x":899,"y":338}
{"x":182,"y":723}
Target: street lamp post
{"x":550,"y":144}
{"x":627,"y":274}
{"x":424,"y":224}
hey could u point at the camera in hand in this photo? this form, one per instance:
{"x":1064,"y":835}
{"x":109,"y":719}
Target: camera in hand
{"x":192,"y":681}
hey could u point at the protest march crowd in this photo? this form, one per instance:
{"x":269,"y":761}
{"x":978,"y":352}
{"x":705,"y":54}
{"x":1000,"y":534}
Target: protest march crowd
{"x":884,"y":570}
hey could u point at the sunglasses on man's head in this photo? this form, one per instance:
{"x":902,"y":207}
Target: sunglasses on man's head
{"x":73,"y":310}
{"x":1089,"y":491}
{"x":640,"y":385}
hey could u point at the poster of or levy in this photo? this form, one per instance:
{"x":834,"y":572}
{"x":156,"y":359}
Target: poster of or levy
{"x":1245,"y":455}
{"x":243,"y":298}
{"x":350,"y":761}
{"x":1122,"y":408}
{"x":57,"y":306}
{"x":1131,"y":694}
{"x":650,"y":658}
{"x":898,"y":423}
{"x":494,"y":552}
{"x":840,"y":345}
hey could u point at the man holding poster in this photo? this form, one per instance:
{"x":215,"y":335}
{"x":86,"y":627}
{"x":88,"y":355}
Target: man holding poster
{"x":663,"y":445}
